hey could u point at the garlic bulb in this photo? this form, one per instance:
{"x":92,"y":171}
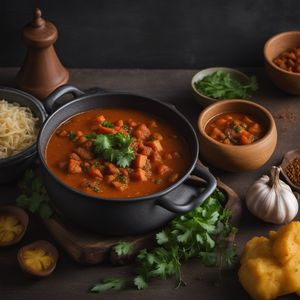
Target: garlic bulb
{"x":272,"y":200}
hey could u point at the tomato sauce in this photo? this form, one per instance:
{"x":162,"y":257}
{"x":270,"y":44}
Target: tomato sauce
{"x":234,"y":129}
{"x":117,"y":153}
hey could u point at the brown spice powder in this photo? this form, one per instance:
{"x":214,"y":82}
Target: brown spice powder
{"x":292,"y":170}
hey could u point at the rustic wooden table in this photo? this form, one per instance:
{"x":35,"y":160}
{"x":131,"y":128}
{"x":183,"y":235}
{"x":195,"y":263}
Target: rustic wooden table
{"x":72,"y":281}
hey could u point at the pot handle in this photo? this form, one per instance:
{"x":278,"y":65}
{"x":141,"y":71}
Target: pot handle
{"x":58,"y":93}
{"x":195,"y":200}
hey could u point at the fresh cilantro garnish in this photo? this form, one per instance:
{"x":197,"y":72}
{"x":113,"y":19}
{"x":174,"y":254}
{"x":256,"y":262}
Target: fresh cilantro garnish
{"x":108,"y":124}
{"x":123,"y":248}
{"x":125,"y":127}
{"x":140,"y":283}
{"x":71,"y":135}
{"x":203,"y":233}
{"x":220,"y":85}
{"x":200,"y":233}
{"x":115,"y":284}
{"x":34,"y":196}
{"x":113,"y":147}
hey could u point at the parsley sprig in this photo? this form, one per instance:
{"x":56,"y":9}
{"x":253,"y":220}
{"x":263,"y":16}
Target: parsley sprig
{"x":113,"y":147}
{"x":123,"y":248}
{"x":34,"y":196}
{"x":221,"y":85}
{"x":204,"y":233}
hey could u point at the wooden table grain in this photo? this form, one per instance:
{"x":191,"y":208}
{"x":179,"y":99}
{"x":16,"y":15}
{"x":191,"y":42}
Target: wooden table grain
{"x":71,"y":280}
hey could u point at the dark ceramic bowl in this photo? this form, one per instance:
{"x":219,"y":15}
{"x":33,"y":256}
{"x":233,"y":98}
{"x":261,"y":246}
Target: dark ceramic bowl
{"x":13,"y":167}
{"x":121,"y":216}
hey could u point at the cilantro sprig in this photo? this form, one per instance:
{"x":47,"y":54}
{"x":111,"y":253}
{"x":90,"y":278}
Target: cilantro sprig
{"x":221,"y":85}
{"x":34,"y":196}
{"x":115,"y":284}
{"x":113,"y":147}
{"x":123,"y":248}
{"x":204,"y":233}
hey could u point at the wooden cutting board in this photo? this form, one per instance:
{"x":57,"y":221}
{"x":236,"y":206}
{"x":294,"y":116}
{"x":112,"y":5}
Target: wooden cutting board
{"x":90,"y":248}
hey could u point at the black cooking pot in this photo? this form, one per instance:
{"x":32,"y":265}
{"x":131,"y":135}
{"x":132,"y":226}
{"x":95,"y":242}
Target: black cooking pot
{"x":130,"y":215}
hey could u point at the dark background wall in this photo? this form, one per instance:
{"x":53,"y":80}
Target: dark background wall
{"x":152,"y":33}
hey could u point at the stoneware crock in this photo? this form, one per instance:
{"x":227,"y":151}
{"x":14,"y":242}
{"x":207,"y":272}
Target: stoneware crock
{"x":130,"y":215}
{"x":13,"y":167}
{"x":237,"y":158}
{"x":286,"y":81}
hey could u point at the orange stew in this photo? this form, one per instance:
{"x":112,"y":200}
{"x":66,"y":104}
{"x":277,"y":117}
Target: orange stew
{"x":117,"y":153}
{"x":234,"y":129}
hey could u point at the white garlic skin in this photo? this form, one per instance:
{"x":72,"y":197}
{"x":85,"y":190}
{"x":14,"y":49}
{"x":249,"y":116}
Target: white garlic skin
{"x":275,"y":204}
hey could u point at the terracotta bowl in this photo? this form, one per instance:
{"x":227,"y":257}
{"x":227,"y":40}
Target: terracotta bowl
{"x":286,"y":81}
{"x":237,"y":158}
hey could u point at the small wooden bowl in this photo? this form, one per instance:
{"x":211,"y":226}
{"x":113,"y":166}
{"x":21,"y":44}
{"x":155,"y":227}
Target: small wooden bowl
{"x":38,"y":244}
{"x":205,"y":100}
{"x":289,"y":157}
{"x":237,"y":158}
{"x":22,"y":217}
{"x":286,"y":81}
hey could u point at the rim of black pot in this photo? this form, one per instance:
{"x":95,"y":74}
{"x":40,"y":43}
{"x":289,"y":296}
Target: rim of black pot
{"x":31,"y":150}
{"x":123,"y":200}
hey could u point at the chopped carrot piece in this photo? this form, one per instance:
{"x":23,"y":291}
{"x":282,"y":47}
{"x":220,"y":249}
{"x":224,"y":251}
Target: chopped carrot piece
{"x":105,"y":130}
{"x":82,"y":139}
{"x":162,"y":169}
{"x":110,"y":178}
{"x":146,"y":150}
{"x":120,"y":186}
{"x":100,"y":119}
{"x":246,"y":137}
{"x":79,"y":133}
{"x":221,"y":122}
{"x":217,"y":134}
{"x":140,"y":175}
{"x":255,"y":129}
{"x":83,"y":153}
{"x":173,"y":177}
{"x":141,"y":132}
{"x":75,"y":156}
{"x":156,"y":136}
{"x":119,"y":123}
{"x":155,"y":145}
{"x":124,"y":172}
{"x":112,"y":169}
{"x":155,"y":157}
{"x":140,"y":161}
{"x":95,"y":172}
{"x":247,"y":120}
{"x":74,"y":166}
{"x":62,"y":133}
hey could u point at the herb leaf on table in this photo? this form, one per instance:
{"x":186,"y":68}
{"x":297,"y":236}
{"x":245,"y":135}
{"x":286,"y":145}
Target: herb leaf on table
{"x":34,"y":196}
{"x":115,"y":284}
{"x":221,"y":85}
{"x":204,"y":233}
{"x":123,"y":248}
